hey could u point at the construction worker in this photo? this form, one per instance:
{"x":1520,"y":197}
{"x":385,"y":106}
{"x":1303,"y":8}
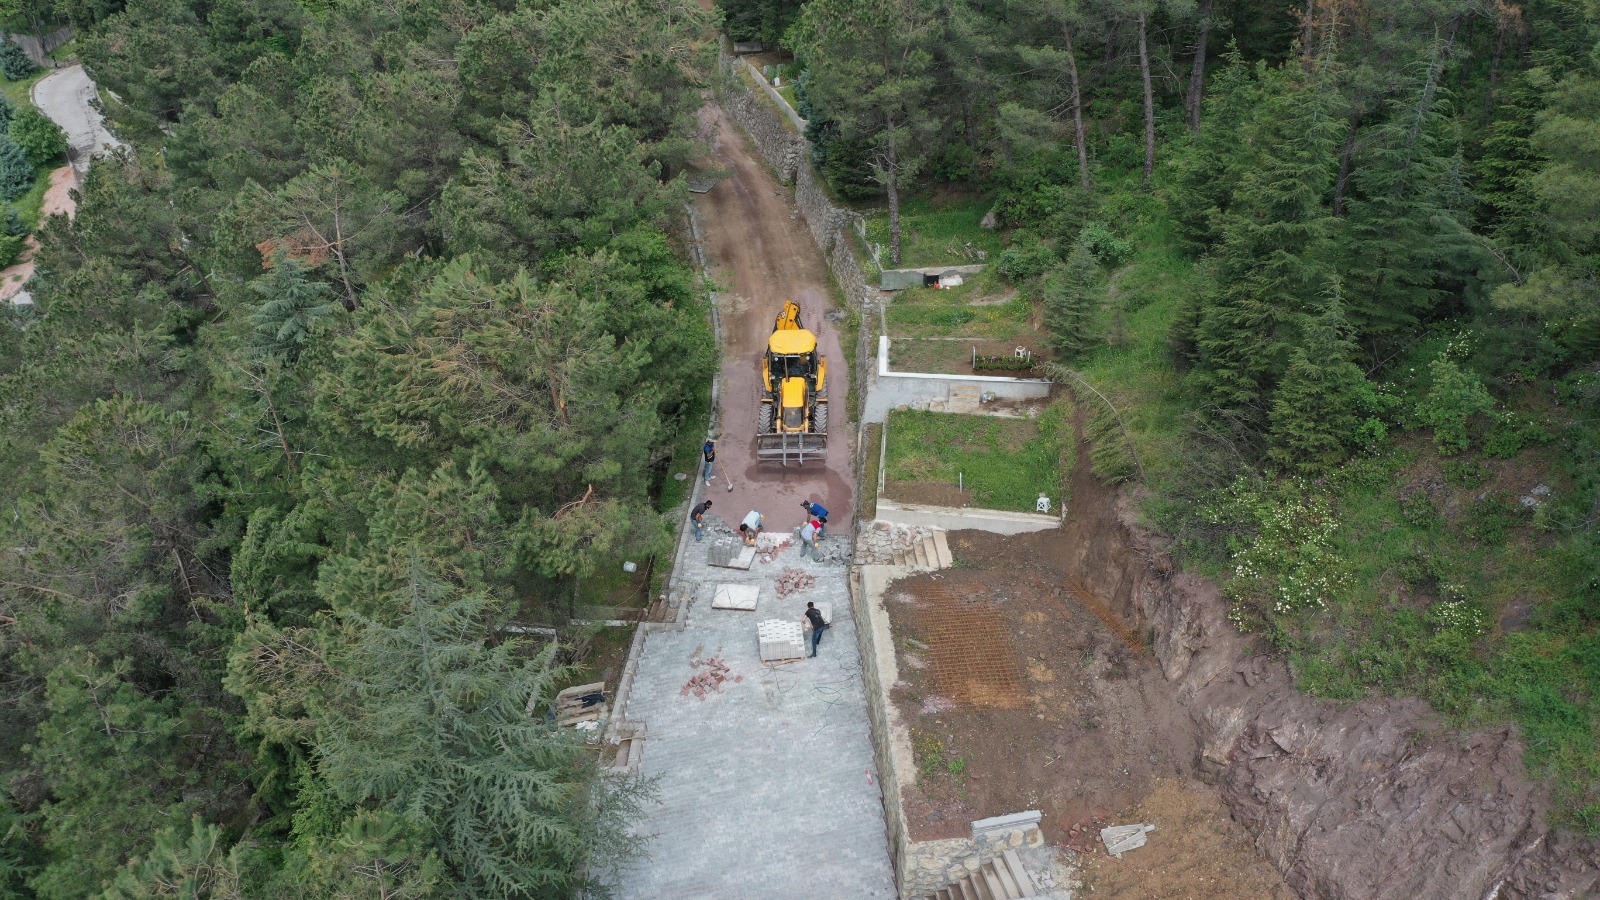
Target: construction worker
{"x":816,"y":511}
{"x":698,"y":516}
{"x":750,"y":527}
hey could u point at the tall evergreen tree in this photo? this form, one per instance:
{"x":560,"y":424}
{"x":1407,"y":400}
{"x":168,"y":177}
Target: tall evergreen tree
{"x":1315,"y":410}
{"x":1070,"y":295}
{"x":428,"y":719}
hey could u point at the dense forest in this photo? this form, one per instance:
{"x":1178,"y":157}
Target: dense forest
{"x":1336,"y":262}
{"x":380,"y":336}
{"x":374,"y":341}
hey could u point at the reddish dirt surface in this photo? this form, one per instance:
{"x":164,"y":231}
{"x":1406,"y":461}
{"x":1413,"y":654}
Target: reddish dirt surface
{"x":761,"y":254}
{"x":1056,"y":705}
{"x":57,"y":199}
{"x":1097,"y":725}
{"x":925,"y":493}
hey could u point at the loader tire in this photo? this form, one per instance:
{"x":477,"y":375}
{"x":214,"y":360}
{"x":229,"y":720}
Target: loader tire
{"x":819,"y":418}
{"x":763,"y":418}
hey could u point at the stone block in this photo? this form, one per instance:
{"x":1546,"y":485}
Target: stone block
{"x":780,"y":639}
{"x":735,"y":596}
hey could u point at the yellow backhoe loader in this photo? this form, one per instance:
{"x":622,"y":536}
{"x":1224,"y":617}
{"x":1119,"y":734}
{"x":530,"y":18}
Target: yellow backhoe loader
{"x":792,"y":408}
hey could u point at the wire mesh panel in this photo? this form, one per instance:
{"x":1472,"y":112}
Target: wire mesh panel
{"x":971,"y":659}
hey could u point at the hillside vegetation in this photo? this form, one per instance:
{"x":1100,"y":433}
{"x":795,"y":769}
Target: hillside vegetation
{"x":1337,"y":266}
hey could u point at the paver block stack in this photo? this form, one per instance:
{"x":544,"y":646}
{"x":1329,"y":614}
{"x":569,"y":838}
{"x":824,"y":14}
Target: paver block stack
{"x":780,"y":639}
{"x":768,"y":550}
{"x":793,"y":581}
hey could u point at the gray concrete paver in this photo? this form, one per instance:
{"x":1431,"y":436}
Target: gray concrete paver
{"x":767,"y":789}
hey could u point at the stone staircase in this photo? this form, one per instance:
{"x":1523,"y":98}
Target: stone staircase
{"x":1001,"y":878}
{"x":929,"y":554}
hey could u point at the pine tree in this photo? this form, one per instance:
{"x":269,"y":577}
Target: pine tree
{"x":1315,"y":409}
{"x":1070,"y":294}
{"x":291,"y":302}
{"x":429,"y":720}
{"x":1269,"y":266}
{"x":16,"y":170}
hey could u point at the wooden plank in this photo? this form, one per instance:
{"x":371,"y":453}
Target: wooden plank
{"x":993,"y":884}
{"x":941,"y":545}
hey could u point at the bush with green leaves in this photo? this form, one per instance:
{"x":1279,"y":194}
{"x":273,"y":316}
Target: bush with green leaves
{"x":1456,"y":396}
{"x":1111,"y":250}
{"x":43,"y":140}
{"x":1284,"y":559}
{"x":16,"y":170}
{"x":1027,"y":257}
{"x":14,"y":64}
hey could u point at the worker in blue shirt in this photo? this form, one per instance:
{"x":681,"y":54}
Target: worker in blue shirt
{"x":816,"y":511}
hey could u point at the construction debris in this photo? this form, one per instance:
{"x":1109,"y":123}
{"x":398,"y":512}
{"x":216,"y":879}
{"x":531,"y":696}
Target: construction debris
{"x":1119,"y":839}
{"x":711,"y":680}
{"x":768,"y":550}
{"x":793,"y":581}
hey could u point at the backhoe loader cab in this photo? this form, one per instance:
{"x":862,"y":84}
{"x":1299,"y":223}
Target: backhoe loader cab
{"x":792,"y":419}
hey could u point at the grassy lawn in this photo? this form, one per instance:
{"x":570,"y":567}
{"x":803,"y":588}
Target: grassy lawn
{"x":28,"y":204}
{"x":982,"y":308}
{"x":17,"y":92}
{"x":868,"y":490}
{"x":1003,"y":463}
{"x":935,"y":230}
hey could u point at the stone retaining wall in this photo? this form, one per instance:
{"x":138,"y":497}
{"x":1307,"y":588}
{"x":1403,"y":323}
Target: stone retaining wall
{"x":789,"y":155}
{"x":921,"y":867}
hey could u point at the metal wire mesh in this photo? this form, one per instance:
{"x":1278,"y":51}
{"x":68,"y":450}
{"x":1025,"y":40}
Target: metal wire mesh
{"x":971,"y":659}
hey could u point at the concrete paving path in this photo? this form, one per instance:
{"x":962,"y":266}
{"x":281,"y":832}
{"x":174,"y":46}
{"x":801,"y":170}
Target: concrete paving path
{"x":68,"y":97}
{"x":768,"y":789}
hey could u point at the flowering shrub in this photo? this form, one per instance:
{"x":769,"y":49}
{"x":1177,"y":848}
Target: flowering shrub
{"x":1458,"y":614}
{"x":1284,"y":560}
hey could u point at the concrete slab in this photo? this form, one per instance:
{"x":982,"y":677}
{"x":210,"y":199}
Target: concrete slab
{"x":953,"y":519}
{"x":735,"y":596}
{"x":767,"y":789}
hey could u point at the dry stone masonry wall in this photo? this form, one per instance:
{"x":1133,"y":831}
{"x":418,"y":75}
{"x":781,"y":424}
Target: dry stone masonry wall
{"x":789,"y":154}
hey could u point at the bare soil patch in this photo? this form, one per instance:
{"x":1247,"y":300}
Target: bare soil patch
{"x":1096,"y":725}
{"x":926,"y":493}
{"x":1195,"y":853}
{"x":953,"y":356}
{"x":1091,"y":737}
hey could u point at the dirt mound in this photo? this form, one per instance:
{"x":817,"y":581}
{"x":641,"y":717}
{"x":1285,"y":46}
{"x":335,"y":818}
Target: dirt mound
{"x":1378,"y":800}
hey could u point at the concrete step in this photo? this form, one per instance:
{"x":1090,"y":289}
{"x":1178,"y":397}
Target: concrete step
{"x":1003,"y":875}
{"x":941,"y":545}
{"x":1013,"y":863}
{"x":920,"y":553}
{"x":992,"y":882}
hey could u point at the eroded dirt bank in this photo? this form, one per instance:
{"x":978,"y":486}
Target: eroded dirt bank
{"x":1376,"y":800}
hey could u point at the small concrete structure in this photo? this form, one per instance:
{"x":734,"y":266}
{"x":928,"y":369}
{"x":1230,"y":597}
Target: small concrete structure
{"x":949,"y":518}
{"x":1119,"y":839}
{"x":893,"y":390}
{"x":945,"y":276}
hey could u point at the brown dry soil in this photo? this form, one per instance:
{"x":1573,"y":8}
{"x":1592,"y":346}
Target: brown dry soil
{"x":761,"y":254}
{"x":1195,"y":853}
{"x":1087,"y":733}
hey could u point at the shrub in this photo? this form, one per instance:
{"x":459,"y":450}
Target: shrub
{"x":1112,"y":251}
{"x":11,"y":247}
{"x":1026,"y":258}
{"x":43,"y":140}
{"x":16,"y":171}
{"x":1454,"y":398}
{"x":14,"y":64}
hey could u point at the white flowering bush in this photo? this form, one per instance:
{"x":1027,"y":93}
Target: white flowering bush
{"x":1458,"y":614}
{"x":1283,"y":556}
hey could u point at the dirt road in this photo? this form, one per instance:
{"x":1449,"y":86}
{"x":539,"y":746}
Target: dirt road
{"x":761,"y":254}
{"x":68,"y":97}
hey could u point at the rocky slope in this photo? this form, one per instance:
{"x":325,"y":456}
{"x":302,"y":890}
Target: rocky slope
{"x":1376,"y":800}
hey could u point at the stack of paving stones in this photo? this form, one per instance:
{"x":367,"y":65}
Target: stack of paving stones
{"x":878,"y":545}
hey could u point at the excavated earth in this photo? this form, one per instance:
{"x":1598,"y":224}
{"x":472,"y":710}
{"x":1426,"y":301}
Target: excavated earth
{"x":1372,"y":800}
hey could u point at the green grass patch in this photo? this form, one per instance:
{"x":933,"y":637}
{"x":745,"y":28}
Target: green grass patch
{"x":19,"y":93}
{"x":1002,"y":463}
{"x":28,"y":204}
{"x":938,"y":230}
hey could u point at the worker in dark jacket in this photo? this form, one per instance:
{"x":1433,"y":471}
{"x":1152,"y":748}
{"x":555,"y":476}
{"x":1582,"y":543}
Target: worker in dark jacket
{"x":815,"y":621}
